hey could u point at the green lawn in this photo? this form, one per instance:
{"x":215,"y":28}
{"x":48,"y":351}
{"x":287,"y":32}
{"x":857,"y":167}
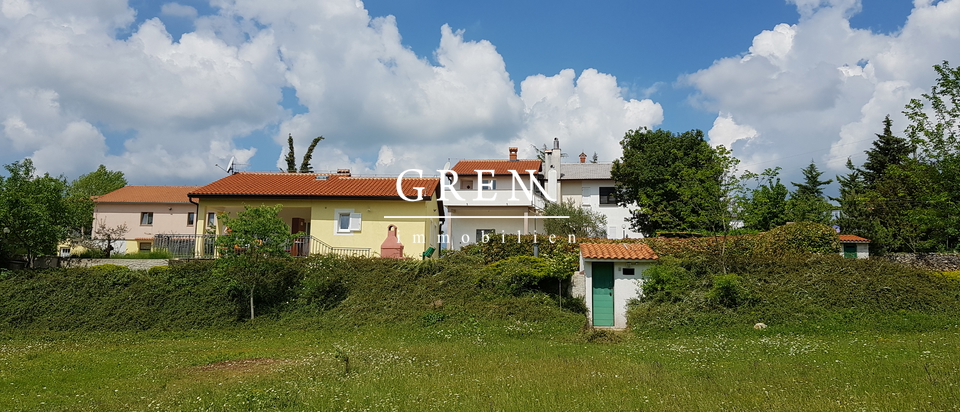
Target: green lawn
{"x":467,"y":366}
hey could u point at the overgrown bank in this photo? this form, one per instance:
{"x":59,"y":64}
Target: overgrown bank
{"x":700,"y":284}
{"x":320,"y":291}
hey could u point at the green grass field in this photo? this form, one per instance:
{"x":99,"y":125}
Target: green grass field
{"x":469,"y":366}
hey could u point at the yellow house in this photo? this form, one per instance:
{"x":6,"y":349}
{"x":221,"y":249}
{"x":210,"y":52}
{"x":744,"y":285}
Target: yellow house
{"x":338,"y":212}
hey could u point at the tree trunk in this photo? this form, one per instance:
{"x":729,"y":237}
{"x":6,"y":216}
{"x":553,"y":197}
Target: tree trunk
{"x":251,"y":303}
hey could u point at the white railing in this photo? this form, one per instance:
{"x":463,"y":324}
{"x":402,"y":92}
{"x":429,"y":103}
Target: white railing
{"x":496,"y":197}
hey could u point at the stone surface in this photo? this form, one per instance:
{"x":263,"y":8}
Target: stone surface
{"x":943,"y":262}
{"x":136,"y":264}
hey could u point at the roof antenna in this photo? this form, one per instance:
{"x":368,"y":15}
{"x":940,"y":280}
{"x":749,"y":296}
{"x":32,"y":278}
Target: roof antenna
{"x":231,"y":166}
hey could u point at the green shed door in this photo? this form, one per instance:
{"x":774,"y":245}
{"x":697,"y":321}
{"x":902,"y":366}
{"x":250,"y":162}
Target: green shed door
{"x":850,"y":250}
{"x":602,"y":294}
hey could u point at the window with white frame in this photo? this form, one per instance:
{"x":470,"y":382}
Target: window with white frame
{"x":212,"y":219}
{"x":347,"y":221}
{"x":146,"y":218}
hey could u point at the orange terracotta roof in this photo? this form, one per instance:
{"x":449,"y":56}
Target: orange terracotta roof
{"x":620,"y":251}
{"x":147,"y":194}
{"x":308,"y":185}
{"x":499,"y":167}
{"x":853,"y":238}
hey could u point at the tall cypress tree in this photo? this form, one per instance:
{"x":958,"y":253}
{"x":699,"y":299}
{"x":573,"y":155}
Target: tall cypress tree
{"x":291,"y":157}
{"x":305,"y":166}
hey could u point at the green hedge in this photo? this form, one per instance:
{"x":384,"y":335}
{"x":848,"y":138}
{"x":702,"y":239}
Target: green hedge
{"x":317,"y":291}
{"x":793,"y":292}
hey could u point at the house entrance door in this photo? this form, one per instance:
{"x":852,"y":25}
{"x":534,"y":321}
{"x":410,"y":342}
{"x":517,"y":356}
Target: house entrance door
{"x":602,"y":309}
{"x":301,"y":247}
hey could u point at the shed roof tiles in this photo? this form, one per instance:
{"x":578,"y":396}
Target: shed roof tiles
{"x":618,"y":251}
{"x":853,"y":239}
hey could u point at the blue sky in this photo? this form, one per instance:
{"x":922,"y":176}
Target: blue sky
{"x":165,"y":90}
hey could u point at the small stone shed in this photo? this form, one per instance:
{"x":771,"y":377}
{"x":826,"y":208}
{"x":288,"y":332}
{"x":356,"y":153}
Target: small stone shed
{"x":612,"y":276}
{"x":854,"y":247}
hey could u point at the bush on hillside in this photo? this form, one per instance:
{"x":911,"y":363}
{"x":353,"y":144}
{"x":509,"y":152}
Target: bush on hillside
{"x":796,"y":290}
{"x":520,"y":274}
{"x":802,"y":237}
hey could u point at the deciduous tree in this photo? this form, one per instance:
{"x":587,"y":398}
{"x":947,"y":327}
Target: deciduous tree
{"x":255,"y":244}
{"x":580,"y":222}
{"x":33,"y":211}
{"x":678,"y":182}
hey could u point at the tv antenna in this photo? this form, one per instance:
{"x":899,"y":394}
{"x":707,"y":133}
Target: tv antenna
{"x":231,"y":166}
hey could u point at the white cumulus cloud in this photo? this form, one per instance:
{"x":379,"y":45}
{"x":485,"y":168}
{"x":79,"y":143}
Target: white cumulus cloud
{"x":819,"y":89}
{"x":74,"y":94}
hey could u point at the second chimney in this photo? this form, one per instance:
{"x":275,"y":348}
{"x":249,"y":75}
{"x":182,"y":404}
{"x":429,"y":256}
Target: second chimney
{"x":583,"y":157}
{"x":513,"y":154}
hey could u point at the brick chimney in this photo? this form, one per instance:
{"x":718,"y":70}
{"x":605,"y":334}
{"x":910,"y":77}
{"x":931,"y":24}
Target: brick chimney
{"x":513,"y":154}
{"x":583,"y":157}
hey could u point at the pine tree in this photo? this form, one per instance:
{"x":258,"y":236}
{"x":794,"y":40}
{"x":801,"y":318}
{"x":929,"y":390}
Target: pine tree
{"x":812,"y":185}
{"x":888,"y":150}
{"x":807,"y":203}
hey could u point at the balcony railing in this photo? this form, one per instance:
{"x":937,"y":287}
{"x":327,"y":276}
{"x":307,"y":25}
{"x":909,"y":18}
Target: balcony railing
{"x":495,"y":197}
{"x":188,"y":246}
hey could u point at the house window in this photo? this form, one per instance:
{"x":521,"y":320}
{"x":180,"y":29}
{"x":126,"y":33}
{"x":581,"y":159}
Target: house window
{"x":347,"y":221}
{"x":628,"y":272}
{"x":488,"y":232}
{"x":191,"y":218}
{"x":211,"y":219}
{"x":608,"y":195}
{"x":490,"y":184}
{"x":145,"y":246}
{"x":146,"y":218}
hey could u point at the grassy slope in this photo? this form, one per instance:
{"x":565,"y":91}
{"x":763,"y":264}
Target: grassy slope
{"x":425,"y":336}
{"x":459,"y":366}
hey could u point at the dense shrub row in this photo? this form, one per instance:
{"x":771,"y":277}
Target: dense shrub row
{"x":793,"y":291}
{"x":320,"y":290}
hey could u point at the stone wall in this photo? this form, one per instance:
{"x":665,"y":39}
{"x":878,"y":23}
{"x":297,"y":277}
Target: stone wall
{"x":930,"y":261}
{"x":578,"y":285}
{"x":136,"y":264}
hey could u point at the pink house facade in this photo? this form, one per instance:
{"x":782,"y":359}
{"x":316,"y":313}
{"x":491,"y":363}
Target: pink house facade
{"x":146,"y":211}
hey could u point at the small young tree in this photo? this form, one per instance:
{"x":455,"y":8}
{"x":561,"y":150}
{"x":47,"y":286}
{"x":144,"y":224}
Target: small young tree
{"x":256,"y":240}
{"x":108,"y":234}
{"x":581,"y":222}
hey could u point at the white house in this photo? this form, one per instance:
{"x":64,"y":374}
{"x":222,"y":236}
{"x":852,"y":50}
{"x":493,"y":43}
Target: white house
{"x":493,"y":197}
{"x":612,"y":276}
{"x":590,"y":186}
